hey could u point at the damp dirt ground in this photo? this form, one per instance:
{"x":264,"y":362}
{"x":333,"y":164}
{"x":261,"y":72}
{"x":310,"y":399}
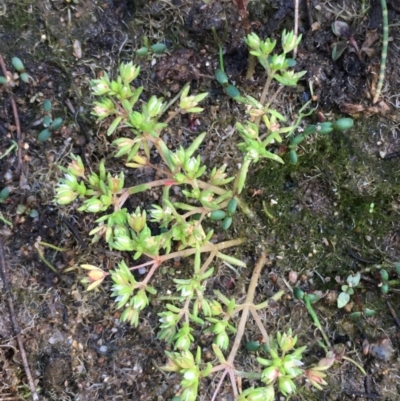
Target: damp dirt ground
{"x":334,"y":213}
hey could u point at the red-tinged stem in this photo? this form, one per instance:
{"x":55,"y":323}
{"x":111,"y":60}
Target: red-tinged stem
{"x":191,"y":251}
{"x":143,"y":187}
{"x":249,"y":303}
{"x":150,"y":274}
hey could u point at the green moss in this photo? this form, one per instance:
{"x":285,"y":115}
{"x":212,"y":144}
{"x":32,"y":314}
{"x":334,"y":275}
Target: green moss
{"x":324,"y":202}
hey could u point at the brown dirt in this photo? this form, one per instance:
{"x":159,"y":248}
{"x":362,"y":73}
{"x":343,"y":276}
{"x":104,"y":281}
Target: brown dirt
{"x":77,"y":349}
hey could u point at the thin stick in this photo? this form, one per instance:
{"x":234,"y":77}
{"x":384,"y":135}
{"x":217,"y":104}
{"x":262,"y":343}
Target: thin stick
{"x":385,"y":42}
{"x":296,"y":24}
{"x":14,"y":323}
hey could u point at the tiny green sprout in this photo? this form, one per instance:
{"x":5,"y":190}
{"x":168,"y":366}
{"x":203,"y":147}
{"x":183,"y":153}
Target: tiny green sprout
{"x":24,"y":77}
{"x":52,"y":126}
{"x":298,"y":293}
{"x":289,"y":78}
{"x":348,"y":290}
{"x":385,"y":278}
{"x":56,"y":124}
{"x":47,"y":106}
{"x":311,"y":129}
{"x":221,"y":77}
{"x":293,"y":156}
{"x":143,"y":51}
{"x":343,"y":124}
{"x":128,"y":72}
{"x":18,"y":64}
{"x":253,"y":346}
{"x":284,"y":363}
{"x":4,"y":194}
{"x":231,"y":208}
{"x":3,"y":80}
{"x":232,"y":91}
{"x":289,"y":41}
{"x":188,"y":104}
{"x":297,"y":139}
{"x":44,"y":135}
{"x":158,"y":48}
{"x":371,"y":207}
{"x":385,"y":288}
{"x":47,"y":120}
{"x":258,"y":394}
{"x":324,"y":128}
{"x":226,"y":223}
{"x":355,"y":315}
{"x":369,"y":312}
{"x":217,"y":215}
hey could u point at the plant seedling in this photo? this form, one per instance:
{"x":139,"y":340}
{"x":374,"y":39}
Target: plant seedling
{"x":147,"y":48}
{"x":342,"y":30}
{"x":12,"y":79}
{"x":48,"y":122}
{"x":348,"y":290}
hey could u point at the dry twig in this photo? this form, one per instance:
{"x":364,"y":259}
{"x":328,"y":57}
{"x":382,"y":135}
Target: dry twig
{"x":14,"y":323}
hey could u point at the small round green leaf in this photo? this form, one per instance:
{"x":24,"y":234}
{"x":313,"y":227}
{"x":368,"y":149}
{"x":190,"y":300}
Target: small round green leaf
{"x":293,"y":156}
{"x":44,"y":135}
{"x":217,"y":215}
{"x":3,"y":80}
{"x":232,"y":205}
{"x":24,"y":77}
{"x":355,"y":315}
{"x":226,"y":223}
{"x":313,"y":298}
{"x":384,"y":275}
{"x":385,"y":288}
{"x":325,"y":128}
{"x":47,"y":106}
{"x":298,"y":293}
{"x":158,"y":48}
{"x":310,"y":130}
{"x":4,"y":193}
{"x":232,"y":91}
{"x":252,"y":346}
{"x":297,"y":139}
{"x":343,"y":299}
{"x":18,"y":64}
{"x":56,"y":124}
{"x":34,"y":213}
{"x":143,"y":51}
{"x":343,"y":124}
{"x":46,"y":120}
{"x":221,"y":77}
{"x":291,"y":62}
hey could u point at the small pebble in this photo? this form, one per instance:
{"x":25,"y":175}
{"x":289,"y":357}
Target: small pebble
{"x":382,"y":350}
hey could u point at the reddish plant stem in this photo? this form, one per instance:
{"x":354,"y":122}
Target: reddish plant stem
{"x":249,"y":304}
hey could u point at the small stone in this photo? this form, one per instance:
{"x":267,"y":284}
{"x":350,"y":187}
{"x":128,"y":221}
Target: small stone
{"x":382,"y":350}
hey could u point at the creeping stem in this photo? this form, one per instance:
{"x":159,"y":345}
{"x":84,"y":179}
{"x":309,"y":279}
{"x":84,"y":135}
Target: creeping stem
{"x":385,"y":42}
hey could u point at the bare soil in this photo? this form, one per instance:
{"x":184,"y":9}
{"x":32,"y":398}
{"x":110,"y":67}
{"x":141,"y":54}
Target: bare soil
{"x":317,"y":221}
